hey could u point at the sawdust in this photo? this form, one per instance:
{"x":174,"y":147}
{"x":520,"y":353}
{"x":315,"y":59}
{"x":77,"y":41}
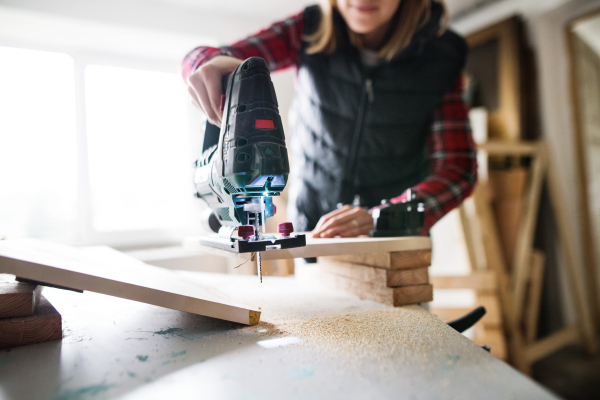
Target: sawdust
{"x":374,"y":334}
{"x":382,"y":345}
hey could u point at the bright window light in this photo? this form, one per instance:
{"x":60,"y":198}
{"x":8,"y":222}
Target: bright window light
{"x":137,"y":132}
{"x":38,"y":160}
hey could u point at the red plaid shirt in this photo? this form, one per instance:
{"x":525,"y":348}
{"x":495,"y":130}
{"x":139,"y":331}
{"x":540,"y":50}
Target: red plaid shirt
{"x":451,"y":148}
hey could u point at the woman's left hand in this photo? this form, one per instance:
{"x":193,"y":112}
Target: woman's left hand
{"x":347,"y":221}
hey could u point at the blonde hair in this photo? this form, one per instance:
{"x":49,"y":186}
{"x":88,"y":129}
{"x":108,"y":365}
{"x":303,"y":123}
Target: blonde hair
{"x":408,"y":19}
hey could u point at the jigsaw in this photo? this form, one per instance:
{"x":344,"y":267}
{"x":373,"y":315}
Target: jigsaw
{"x":244,"y":164}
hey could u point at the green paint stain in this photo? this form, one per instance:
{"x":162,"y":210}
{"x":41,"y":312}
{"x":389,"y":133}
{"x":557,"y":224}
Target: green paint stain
{"x":131,"y":374}
{"x":76,"y":394}
{"x":170,"y":331}
{"x":453,"y":358}
{"x":142,"y":358}
{"x":165,"y":362}
{"x":179,"y":353}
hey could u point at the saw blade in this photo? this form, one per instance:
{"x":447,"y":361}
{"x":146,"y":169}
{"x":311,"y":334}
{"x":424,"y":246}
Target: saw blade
{"x":258,"y":263}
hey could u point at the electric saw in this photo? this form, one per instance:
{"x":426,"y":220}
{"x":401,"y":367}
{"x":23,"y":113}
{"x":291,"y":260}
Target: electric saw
{"x":244,"y":164}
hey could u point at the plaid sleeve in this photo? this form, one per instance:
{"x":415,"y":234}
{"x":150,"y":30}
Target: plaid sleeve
{"x":279,"y":45}
{"x":453,"y":158}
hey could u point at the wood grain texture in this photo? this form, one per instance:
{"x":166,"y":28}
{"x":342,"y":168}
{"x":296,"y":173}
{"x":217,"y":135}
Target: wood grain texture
{"x":480,"y":281}
{"x":331,"y":247}
{"x":399,"y":296}
{"x":43,"y":326}
{"x":18,"y":299}
{"x":110,"y":272}
{"x":378,"y":276}
{"x":392,"y":260}
{"x":534,"y":297}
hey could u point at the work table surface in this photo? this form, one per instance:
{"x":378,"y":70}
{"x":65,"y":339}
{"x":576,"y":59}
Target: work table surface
{"x":311,"y":343}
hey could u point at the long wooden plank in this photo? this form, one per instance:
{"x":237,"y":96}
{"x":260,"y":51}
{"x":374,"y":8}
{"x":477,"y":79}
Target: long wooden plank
{"x":74,"y":268}
{"x":18,"y":299}
{"x":379,"y":276}
{"x":44,"y":325}
{"x":534,"y":299}
{"x":496,"y":263}
{"x":525,"y":233}
{"x":317,"y":247}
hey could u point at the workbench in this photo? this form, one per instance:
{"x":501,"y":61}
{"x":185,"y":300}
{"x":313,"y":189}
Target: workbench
{"x":311,"y":343}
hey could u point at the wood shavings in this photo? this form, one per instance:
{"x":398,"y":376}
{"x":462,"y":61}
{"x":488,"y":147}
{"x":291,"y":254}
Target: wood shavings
{"x":389,"y":339}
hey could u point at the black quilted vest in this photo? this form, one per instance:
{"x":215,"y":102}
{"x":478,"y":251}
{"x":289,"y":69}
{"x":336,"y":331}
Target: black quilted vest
{"x":363,"y":131}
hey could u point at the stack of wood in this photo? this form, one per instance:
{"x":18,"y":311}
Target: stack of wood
{"x":396,"y":279}
{"x":26,"y":317}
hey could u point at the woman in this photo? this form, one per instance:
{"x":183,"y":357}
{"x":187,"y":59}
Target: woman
{"x":377,"y":110}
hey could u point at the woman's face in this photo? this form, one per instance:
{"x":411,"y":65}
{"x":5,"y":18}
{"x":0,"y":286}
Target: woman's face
{"x":366,"y":16}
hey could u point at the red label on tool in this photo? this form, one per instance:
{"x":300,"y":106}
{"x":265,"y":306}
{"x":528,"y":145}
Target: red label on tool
{"x":222,"y":106}
{"x":264,"y":124}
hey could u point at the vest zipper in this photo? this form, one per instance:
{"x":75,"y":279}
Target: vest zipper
{"x":366,"y":98}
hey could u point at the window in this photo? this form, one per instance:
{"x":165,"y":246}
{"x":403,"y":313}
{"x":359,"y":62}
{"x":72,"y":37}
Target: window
{"x":113,"y":168}
{"x":38,"y":158}
{"x":136,"y":133}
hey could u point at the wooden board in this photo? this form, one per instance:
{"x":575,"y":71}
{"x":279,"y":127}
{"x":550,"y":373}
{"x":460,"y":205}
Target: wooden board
{"x":18,"y":299}
{"x":416,"y":258}
{"x":331,"y":247}
{"x":43,"y":326}
{"x":378,"y":276}
{"x":102,"y":273}
{"x":399,"y":296}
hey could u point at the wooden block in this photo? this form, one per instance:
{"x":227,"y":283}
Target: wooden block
{"x":43,"y":326}
{"x":399,"y":296}
{"x":479,"y":281}
{"x":413,"y":294}
{"x":393,"y":260}
{"x":379,"y":276}
{"x":18,"y":299}
{"x":115,"y":274}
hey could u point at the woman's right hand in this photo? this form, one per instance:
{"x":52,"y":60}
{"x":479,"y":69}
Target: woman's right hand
{"x":204,"y":85}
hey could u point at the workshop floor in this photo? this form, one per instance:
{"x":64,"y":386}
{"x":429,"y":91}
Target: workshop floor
{"x":570,"y":373}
